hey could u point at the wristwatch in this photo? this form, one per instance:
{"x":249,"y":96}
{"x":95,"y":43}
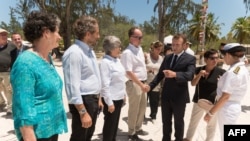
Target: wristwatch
{"x":82,"y":112}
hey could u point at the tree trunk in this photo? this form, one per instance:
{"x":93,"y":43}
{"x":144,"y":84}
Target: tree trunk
{"x":161,"y":28}
{"x":67,"y":35}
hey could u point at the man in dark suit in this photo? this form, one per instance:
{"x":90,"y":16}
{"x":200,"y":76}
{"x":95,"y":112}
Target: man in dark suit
{"x":16,"y":39}
{"x":176,"y":70}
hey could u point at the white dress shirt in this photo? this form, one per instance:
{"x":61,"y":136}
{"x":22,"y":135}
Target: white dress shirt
{"x":113,"y":78}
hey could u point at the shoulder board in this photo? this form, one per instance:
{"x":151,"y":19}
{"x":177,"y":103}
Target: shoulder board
{"x":236,"y":70}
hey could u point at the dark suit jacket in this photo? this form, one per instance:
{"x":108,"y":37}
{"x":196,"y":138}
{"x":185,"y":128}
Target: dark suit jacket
{"x":14,"y":54}
{"x":176,"y":89}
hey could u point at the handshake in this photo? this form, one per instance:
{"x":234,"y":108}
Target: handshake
{"x":145,"y":88}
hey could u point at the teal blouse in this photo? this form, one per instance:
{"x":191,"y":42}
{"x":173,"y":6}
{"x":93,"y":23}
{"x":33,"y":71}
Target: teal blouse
{"x":37,"y":96}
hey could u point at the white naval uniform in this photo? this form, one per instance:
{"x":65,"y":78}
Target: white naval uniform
{"x":235,"y":82}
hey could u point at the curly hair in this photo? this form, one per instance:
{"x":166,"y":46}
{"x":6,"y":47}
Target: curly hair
{"x":83,"y":25}
{"x":37,"y":22}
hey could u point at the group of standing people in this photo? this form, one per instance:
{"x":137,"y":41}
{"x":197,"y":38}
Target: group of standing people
{"x":9,"y":50}
{"x":38,"y":110}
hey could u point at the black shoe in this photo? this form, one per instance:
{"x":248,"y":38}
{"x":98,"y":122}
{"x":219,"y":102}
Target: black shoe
{"x":141,"y":132}
{"x":134,"y":138}
{"x":8,"y":113}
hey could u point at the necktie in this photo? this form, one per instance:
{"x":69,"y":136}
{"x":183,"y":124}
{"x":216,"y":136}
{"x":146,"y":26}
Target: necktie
{"x":174,"y":61}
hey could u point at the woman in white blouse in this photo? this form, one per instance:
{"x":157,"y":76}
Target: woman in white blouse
{"x":113,"y":91}
{"x":153,"y":63}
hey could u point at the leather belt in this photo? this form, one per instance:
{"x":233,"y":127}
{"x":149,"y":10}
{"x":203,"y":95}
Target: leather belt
{"x":143,"y":81}
{"x":92,"y":95}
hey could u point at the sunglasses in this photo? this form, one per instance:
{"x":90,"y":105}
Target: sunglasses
{"x":213,"y":58}
{"x":137,"y":37}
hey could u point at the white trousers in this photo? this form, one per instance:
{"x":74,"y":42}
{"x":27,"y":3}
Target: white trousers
{"x":196,"y":116}
{"x":228,"y":115}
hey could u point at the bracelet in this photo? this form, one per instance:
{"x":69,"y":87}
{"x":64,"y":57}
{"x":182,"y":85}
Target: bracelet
{"x":210,"y":114}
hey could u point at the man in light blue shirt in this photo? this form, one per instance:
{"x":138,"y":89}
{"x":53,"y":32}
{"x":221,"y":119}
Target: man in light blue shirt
{"x":82,"y":79}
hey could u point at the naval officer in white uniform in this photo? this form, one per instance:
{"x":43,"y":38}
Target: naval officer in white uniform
{"x":232,"y":87}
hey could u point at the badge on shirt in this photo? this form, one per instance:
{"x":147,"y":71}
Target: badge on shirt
{"x":236,"y":70}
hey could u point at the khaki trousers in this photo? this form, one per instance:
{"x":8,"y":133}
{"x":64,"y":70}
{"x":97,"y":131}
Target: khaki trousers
{"x":137,"y":107}
{"x":5,"y":89}
{"x":196,"y":116}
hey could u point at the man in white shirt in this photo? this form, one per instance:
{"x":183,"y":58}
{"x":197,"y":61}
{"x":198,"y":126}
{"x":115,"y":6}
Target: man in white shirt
{"x":188,"y":49}
{"x":133,"y":61}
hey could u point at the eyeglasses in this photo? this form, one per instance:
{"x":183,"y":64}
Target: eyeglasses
{"x":137,"y":37}
{"x":213,"y":58}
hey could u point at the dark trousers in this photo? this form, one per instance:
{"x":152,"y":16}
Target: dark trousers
{"x":153,"y":103}
{"x":52,"y":138}
{"x":176,"y":109}
{"x":111,"y":120}
{"x":78,"y":132}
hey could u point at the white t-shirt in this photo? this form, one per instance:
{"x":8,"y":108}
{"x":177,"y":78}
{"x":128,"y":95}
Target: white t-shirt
{"x":189,"y":51}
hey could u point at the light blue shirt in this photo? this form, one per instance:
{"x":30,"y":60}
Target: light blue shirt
{"x":113,"y":79}
{"x":81,"y":72}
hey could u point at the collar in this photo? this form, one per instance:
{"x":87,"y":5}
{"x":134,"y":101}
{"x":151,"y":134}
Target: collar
{"x":133,"y":48}
{"x":179,"y":54}
{"x":236,"y":64}
{"x":110,"y":58}
{"x":86,"y":48}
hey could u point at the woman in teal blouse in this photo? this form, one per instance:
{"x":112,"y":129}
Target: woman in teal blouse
{"x":38,"y":110}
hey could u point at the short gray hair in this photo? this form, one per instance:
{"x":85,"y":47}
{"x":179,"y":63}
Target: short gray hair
{"x":110,"y":43}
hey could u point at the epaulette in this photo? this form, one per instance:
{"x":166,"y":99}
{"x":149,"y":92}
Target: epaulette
{"x":236,"y":70}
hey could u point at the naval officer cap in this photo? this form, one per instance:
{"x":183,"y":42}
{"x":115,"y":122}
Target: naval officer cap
{"x":233,"y":47}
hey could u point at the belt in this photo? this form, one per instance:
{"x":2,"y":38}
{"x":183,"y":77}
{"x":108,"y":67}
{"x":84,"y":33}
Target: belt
{"x":143,"y":81}
{"x":92,"y":95}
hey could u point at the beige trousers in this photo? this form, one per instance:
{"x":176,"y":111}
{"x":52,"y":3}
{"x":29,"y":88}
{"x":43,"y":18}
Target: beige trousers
{"x":5,"y":89}
{"x":137,"y":107}
{"x":196,"y":116}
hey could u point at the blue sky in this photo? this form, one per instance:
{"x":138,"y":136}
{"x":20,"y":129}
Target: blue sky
{"x":227,"y":11}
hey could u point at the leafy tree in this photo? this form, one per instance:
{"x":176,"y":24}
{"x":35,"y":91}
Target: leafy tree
{"x":212,"y":29}
{"x":241,"y":29}
{"x":14,"y":25}
{"x":247,"y":4}
{"x":172,"y":15}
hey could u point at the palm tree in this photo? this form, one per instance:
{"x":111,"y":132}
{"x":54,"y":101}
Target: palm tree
{"x":241,"y":29}
{"x":212,"y":28}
